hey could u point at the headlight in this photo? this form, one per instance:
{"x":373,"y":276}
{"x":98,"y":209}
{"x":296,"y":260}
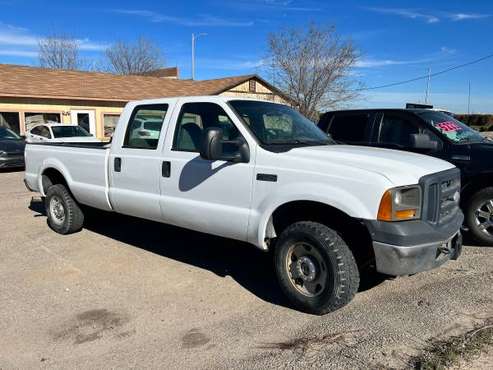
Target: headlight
{"x":400,"y":204}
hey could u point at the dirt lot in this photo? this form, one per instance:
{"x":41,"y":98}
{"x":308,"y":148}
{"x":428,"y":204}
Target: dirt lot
{"x":127,"y":293}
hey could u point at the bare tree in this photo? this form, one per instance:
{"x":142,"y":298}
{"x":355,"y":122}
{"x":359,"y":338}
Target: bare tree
{"x":59,"y":52}
{"x":313,"y":67}
{"x":127,"y":59}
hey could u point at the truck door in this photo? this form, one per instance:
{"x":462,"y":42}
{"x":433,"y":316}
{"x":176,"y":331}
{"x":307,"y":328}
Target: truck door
{"x":395,"y":128}
{"x":135,"y":163}
{"x":208,"y":196}
{"x":352,"y":128}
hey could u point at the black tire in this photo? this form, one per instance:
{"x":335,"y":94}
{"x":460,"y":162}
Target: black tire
{"x":475,"y":202}
{"x":341,"y":274}
{"x":63,"y":205}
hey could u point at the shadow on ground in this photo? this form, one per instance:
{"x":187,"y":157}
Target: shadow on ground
{"x":248,"y":266}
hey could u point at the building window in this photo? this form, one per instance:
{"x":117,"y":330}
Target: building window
{"x":32,"y":119}
{"x":252,"y":86}
{"x":11,"y":121}
{"x":109,"y":122}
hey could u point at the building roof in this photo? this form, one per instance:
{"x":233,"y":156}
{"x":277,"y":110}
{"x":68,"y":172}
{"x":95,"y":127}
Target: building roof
{"x":33,"y":82}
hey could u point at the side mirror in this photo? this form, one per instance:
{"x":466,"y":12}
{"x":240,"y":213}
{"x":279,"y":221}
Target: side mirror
{"x":423,"y":141}
{"x":213,"y":147}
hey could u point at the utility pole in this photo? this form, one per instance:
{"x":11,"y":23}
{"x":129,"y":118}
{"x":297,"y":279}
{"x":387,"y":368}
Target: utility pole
{"x":428,"y":86}
{"x":194,"y":39}
{"x":469,"y":100}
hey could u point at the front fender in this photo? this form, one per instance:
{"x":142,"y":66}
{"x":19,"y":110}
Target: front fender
{"x":341,"y":199}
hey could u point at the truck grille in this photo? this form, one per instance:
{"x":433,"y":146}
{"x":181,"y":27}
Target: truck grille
{"x":441,"y":196}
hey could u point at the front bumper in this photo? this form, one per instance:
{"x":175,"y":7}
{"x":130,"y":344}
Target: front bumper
{"x":397,"y":260}
{"x":406,"y":248}
{"x":12,"y":161}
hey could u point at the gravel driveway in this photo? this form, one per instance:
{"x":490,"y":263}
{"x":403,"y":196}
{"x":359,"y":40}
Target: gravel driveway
{"x":127,"y":293}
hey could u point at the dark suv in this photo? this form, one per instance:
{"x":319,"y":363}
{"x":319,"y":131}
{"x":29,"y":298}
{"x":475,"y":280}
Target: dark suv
{"x":429,"y":132}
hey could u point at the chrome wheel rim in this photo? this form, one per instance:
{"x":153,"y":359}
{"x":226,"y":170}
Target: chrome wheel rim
{"x":306,"y":269}
{"x":57,"y":210}
{"x":484,"y":217}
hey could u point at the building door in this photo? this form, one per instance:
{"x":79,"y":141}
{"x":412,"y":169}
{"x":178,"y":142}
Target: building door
{"x":85,"y":119}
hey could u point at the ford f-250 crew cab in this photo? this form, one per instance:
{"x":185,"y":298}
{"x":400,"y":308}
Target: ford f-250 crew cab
{"x":260,"y":172}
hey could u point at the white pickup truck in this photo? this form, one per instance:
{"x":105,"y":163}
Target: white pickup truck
{"x":260,"y":172}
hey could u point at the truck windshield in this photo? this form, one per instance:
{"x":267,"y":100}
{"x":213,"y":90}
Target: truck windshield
{"x":451,"y":128}
{"x":69,"y":131}
{"x":277,"y":124}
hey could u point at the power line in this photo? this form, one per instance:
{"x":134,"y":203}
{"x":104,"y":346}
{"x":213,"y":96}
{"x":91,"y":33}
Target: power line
{"x":426,"y":76}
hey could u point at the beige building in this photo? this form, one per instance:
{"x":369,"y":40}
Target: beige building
{"x":30,"y":95}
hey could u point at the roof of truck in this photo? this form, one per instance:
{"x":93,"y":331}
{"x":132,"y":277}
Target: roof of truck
{"x":415,"y":110}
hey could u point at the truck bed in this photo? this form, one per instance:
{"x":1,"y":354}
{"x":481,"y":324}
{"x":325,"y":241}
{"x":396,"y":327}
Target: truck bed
{"x":86,"y":145}
{"x":83,"y":165}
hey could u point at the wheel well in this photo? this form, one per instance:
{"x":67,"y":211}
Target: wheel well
{"x":52,"y":176}
{"x":474,"y":185}
{"x":352,"y":231}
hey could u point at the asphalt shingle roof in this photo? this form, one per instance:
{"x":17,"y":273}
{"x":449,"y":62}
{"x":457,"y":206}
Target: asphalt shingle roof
{"x":23,"y":81}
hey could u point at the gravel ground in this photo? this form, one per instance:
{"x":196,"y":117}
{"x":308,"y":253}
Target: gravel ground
{"x":127,"y":293}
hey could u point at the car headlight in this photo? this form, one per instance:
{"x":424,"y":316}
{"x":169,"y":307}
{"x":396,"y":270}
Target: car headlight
{"x":400,"y":204}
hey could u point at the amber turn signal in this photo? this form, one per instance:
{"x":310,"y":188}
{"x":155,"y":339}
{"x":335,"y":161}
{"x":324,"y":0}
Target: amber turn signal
{"x":385,"y":209}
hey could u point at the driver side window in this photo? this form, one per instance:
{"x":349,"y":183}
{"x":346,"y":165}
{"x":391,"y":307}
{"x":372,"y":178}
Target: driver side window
{"x":194,"y":119}
{"x":396,"y":130}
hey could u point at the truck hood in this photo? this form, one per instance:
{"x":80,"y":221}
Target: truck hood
{"x":399,"y":167}
{"x":12,"y":146}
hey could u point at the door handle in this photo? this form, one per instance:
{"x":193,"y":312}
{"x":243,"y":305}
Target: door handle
{"x":118,"y":164}
{"x":166,"y":169}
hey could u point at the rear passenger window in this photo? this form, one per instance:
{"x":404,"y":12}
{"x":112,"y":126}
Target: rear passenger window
{"x":350,"y":128}
{"x":144,"y":127}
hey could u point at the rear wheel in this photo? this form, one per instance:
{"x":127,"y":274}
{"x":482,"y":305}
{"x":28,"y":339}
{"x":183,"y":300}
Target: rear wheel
{"x":479,"y":216}
{"x":315,"y":268}
{"x":64,"y":214}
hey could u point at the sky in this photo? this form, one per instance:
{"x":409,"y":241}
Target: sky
{"x":397,"y":40}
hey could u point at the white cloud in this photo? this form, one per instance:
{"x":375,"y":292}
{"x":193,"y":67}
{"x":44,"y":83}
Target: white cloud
{"x":375,"y":63}
{"x":430,"y":16}
{"x":22,"y":37}
{"x":232,"y":64}
{"x":447,"y":50}
{"x":408,"y":13}
{"x":466,"y":16}
{"x":18,"y":53}
{"x":279,"y":5}
{"x":201,"y":20}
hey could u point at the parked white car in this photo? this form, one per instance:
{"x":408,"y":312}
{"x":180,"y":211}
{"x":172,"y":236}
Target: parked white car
{"x":261,"y":173}
{"x":59,"y":132}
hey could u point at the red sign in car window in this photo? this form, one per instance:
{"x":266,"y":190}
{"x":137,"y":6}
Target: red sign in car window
{"x":448,"y":126}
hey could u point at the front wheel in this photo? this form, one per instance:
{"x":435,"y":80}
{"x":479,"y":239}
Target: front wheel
{"x":64,"y":214}
{"x":479,"y":216}
{"x":315,"y":268}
